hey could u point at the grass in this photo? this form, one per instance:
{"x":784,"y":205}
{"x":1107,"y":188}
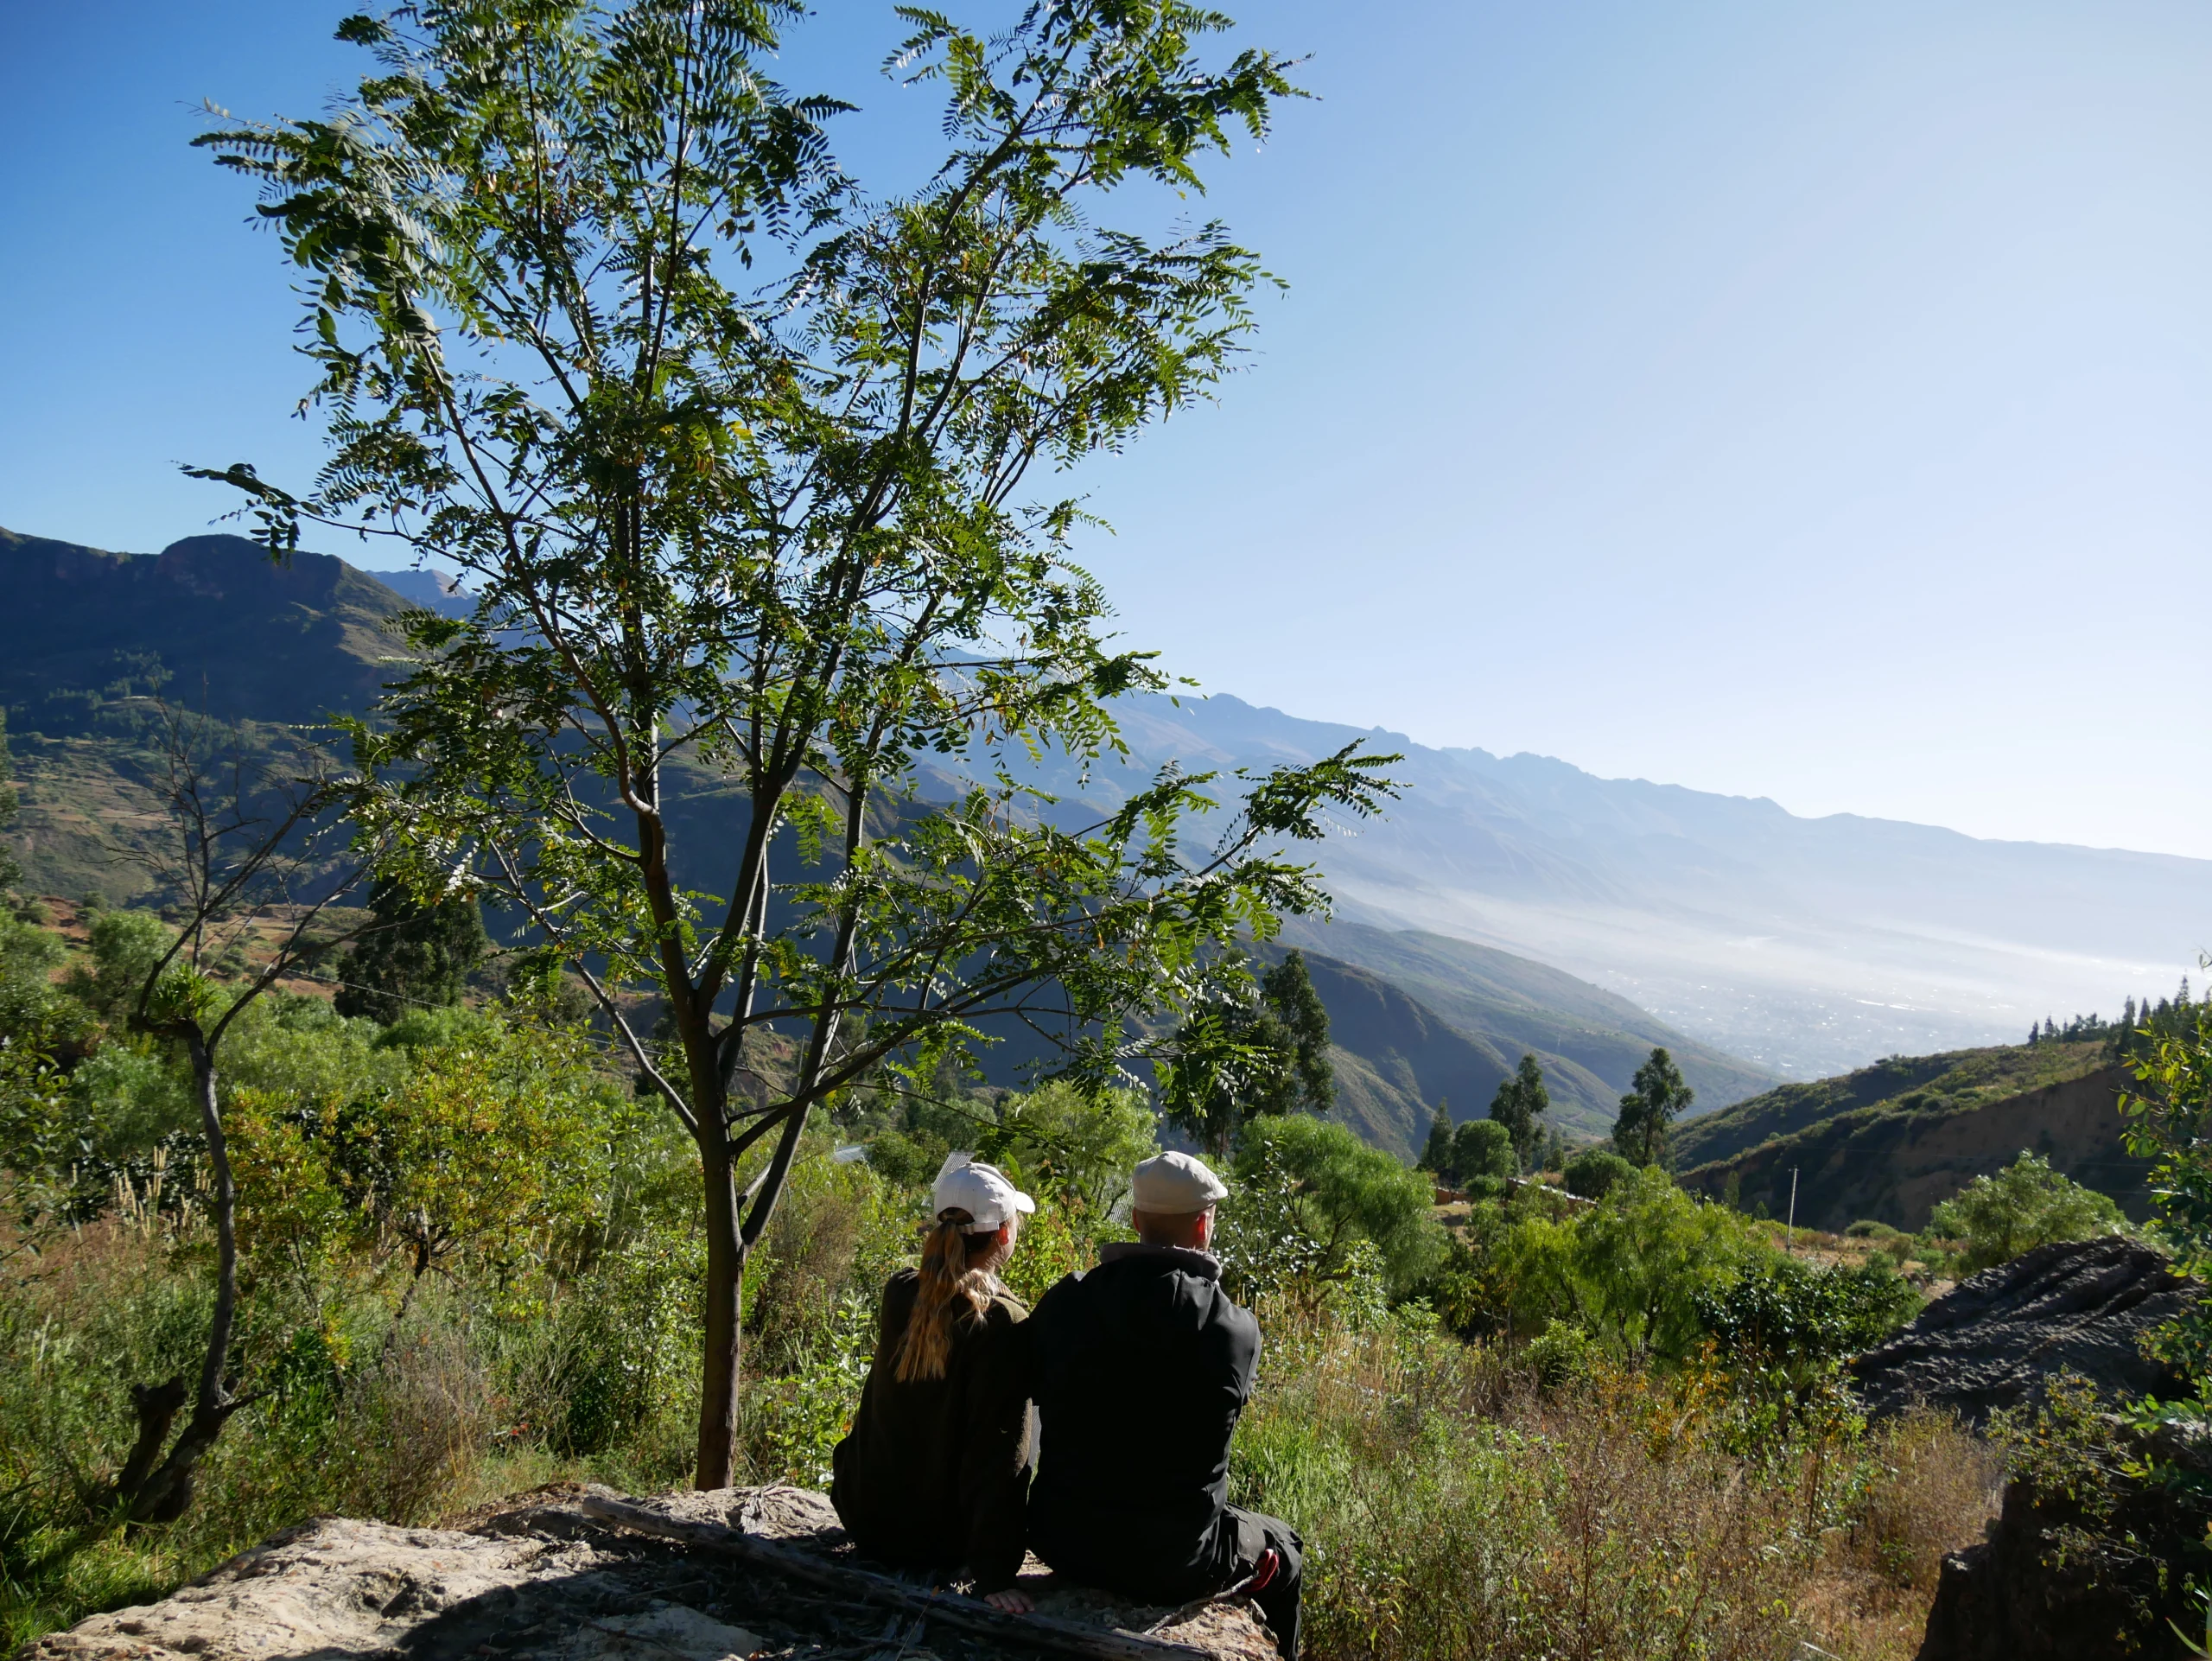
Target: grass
{"x":1453,"y":1508}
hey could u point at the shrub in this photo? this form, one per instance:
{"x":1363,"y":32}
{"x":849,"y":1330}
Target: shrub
{"x":2025,"y":1205}
{"x":1596,"y":1171}
{"x":1628,"y":1271}
{"x":1309,"y":1191}
{"x":1449,"y":1512}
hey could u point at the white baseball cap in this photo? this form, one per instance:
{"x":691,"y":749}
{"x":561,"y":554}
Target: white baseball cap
{"x":981,"y":1191}
{"x":1174,"y":1185}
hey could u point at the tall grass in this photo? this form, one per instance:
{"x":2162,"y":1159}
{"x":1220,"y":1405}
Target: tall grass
{"x":1453,"y":1508}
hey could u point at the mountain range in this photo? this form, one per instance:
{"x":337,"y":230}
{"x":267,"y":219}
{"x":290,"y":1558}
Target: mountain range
{"x":1516,"y":900}
{"x":1805,"y":946}
{"x":91,"y":639}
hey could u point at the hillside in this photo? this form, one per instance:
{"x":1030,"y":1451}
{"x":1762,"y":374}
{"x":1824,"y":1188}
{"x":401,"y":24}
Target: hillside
{"x":1946,"y":1083}
{"x":1589,"y":1041}
{"x":1418,"y":1019}
{"x":1888,"y":1143}
{"x":210,"y":622}
{"x":1397,"y":1059}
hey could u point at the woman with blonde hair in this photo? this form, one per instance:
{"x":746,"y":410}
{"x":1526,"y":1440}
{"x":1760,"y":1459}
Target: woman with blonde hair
{"x":934,"y":1474}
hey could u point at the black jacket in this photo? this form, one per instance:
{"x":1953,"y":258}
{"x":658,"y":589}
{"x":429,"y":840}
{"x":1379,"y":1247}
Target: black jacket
{"x":933,"y":1473}
{"x":1140,"y":1369}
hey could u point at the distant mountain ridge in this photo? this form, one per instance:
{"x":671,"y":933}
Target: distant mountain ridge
{"x":1806,"y":945}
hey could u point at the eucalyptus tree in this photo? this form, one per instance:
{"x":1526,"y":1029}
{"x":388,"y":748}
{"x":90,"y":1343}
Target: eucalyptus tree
{"x":745,"y":465}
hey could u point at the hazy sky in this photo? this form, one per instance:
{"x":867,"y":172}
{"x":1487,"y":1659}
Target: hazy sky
{"x":1805,"y":401}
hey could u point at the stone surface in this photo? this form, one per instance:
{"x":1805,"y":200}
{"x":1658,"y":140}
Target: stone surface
{"x":1994,"y":1340}
{"x":532,"y":1579}
{"x":2101,"y":1570}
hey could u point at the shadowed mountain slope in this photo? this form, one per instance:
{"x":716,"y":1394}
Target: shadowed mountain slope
{"x":209,"y":623}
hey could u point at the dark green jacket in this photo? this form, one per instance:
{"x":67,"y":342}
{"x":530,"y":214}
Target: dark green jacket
{"x":934,"y":1474}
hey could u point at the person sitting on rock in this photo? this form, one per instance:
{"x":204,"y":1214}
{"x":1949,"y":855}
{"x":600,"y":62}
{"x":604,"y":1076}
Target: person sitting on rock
{"x":934,"y":1472}
{"x":1140,"y":1369}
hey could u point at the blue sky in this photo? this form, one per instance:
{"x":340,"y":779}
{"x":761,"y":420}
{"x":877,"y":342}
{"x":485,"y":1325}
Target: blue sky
{"x":1801,"y":401}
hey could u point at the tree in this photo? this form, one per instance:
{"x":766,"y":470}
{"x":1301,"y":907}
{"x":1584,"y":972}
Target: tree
{"x":1437,"y":1156}
{"x":1251,"y":1059}
{"x":416,"y":954}
{"x":1483,"y":1148}
{"x":1338,"y":1191}
{"x":1520,"y":1105}
{"x":2025,"y":1205}
{"x":10,"y":871}
{"x":735,"y":458}
{"x":2169,"y":1122}
{"x":1657,"y":1095}
{"x":246,"y":861}
{"x":1596,"y":1171}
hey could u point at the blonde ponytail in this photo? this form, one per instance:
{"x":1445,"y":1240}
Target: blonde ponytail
{"x":947,"y":1280}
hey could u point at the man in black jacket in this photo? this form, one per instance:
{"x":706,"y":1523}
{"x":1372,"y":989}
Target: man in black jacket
{"x":1140,"y":1368}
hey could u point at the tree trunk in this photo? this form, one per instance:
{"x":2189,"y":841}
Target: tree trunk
{"x":162,"y":1496}
{"x":725,"y":1283}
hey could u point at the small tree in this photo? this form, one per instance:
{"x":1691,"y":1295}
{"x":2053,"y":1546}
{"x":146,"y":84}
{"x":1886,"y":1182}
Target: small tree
{"x":246,"y":863}
{"x":1339,"y":1191}
{"x":1596,"y":1171}
{"x":417,"y":953}
{"x":1254,"y":1059}
{"x":737,"y":460}
{"x":11,"y":871}
{"x":1436,"y":1156}
{"x":1656,"y":1097}
{"x":2169,"y":1122}
{"x":2025,"y":1205}
{"x":1520,"y":1105}
{"x":1483,"y":1148}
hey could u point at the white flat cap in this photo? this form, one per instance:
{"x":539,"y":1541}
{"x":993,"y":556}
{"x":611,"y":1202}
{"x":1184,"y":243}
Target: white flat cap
{"x":1174,"y":1185}
{"x":981,"y":1191}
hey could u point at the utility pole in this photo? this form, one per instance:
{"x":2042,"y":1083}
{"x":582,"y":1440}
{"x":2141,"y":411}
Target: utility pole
{"x":1790,"y":1235}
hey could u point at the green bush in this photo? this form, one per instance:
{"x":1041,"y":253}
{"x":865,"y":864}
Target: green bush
{"x":2025,"y":1205}
{"x":1309,"y":1192}
{"x":1596,"y":1171}
{"x":1483,"y":1148}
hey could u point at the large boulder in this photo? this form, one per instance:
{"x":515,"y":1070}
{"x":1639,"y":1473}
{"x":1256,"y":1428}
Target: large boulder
{"x":541,"y":1579}
{"x":1995,"y":1340}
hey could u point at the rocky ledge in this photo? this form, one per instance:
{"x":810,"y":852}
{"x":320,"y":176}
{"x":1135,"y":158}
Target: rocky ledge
{"x":547,"y":1576}
{"x":1995,"y":1340}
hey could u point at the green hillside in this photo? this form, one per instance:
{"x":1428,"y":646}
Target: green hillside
{"x":1950,"y":1082}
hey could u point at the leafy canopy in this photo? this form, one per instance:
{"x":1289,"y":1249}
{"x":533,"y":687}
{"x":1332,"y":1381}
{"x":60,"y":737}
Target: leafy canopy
{"x":1656,"y":1098}
{"x":747,"y":466}
{"x":2025,"y":1205}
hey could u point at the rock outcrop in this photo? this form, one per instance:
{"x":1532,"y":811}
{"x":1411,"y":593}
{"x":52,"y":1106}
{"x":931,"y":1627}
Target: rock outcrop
{"x":1995,"y":1342}
{"x":2096,"y":1565}
{"x":535,"y":1578}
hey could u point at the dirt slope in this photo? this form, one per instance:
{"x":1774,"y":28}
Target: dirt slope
{"x":1894,"y":1164}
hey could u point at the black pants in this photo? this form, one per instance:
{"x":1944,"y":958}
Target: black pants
{"x":1247,"y":1534}
{"x":1124,"y":1555}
